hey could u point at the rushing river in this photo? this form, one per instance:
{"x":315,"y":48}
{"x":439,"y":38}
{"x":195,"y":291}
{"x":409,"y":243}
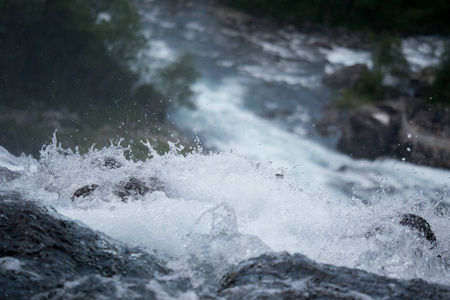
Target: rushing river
{"x":270,"y":181}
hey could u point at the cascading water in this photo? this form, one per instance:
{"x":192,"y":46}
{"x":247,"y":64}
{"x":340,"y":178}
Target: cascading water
{"x":222,"y":208}
{"x":267,"y":186}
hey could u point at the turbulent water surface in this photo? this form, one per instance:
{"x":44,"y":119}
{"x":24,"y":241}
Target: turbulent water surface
{"x":267,"y":185}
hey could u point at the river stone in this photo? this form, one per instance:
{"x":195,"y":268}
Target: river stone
{"x":370,"y":132}
{"x":45,"y":256}
{"x":285,"y":276}
{"x":422,"y":81}
{"x":420,"y":225}
{"x":84,"y":191}
{"x":135,"y":187}
{"x":424,"y":137}
{"x":407,"y":129}
{"x":346,"y":77}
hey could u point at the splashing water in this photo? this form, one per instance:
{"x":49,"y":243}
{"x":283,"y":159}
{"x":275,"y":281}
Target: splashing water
{"x":206,"y":212}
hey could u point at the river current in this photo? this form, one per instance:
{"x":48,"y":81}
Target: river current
{"x":267,"y":180}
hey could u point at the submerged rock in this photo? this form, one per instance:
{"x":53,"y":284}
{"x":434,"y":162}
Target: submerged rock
{"x":134,"y":187}
{"x":44,"y":256}
{"x":111,"y":163}
{"x":285,"y":276}
{"x":419,"y":224}
{"x":84,"y":191}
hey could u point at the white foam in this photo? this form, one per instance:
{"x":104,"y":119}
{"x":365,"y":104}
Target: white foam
{"x":160,"y":50}
{"x":289,"y":204}
{"x":269,"y":75}
{"x":422,"y":52}
{"x":347,"y":57}
{"x":10,"y":264}
{"x":8,"y":160}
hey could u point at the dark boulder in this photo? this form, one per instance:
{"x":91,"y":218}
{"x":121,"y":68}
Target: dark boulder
{"x":420,"y":225}
{"x":406,"y":129}
{"x":41,"y":252}
{"x":84,"y":191}
{"x":424,"y":135}
{"x":422,"y":81}
{"x":371,"y":132}
{"x":46,"y":256}
{"x":285,"y":276}
{"x":346,"y":77}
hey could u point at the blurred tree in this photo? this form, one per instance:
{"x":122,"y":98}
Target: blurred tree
{"x":152,"y":101}
{"x":406,"y":16}
{"x":67,"y":51}
{"x":441,"y":87}
{"x":388,"y":76}
{"x":175,"y":81}
{"x":388,"y":57}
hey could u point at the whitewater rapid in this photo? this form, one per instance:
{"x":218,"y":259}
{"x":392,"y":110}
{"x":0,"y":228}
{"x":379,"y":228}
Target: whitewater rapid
{"x":221,"y":208}
{"x":265,"y":185}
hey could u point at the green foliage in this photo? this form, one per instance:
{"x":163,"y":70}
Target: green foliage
{"x":61,"y":52}
{"x":441,"y":86}
{"x":388,"y":57}
{"x":81,"y":54}
{"x":151,"y":101}
{"x":388,"y":60}
{"x":175,"y":81}
{"x":368,"y":89}
{"x":406,"y":16}
{"x":370,"y":86}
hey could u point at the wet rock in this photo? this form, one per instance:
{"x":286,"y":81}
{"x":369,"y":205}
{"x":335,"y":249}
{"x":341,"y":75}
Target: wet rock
{"x":370,"y":132}
{"x":422,"y":81}
{"x":6,"y":175}
{"x":135,"y":187}
{"x":285,"y":276}
{"x":272,"y":114}
{"x":406,"y":129}
{"x":420,"y":225}
{"x":107,"y":162}
{"x":424,"y":136}
{"x":111,"y":163}
{"x":45,"y":256}
{"x":84,"y":191}
{"x":346,"y":77}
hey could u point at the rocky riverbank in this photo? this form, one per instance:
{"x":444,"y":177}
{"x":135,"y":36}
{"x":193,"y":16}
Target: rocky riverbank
{"x":404,"y":128}
{"x":320,"y":36}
